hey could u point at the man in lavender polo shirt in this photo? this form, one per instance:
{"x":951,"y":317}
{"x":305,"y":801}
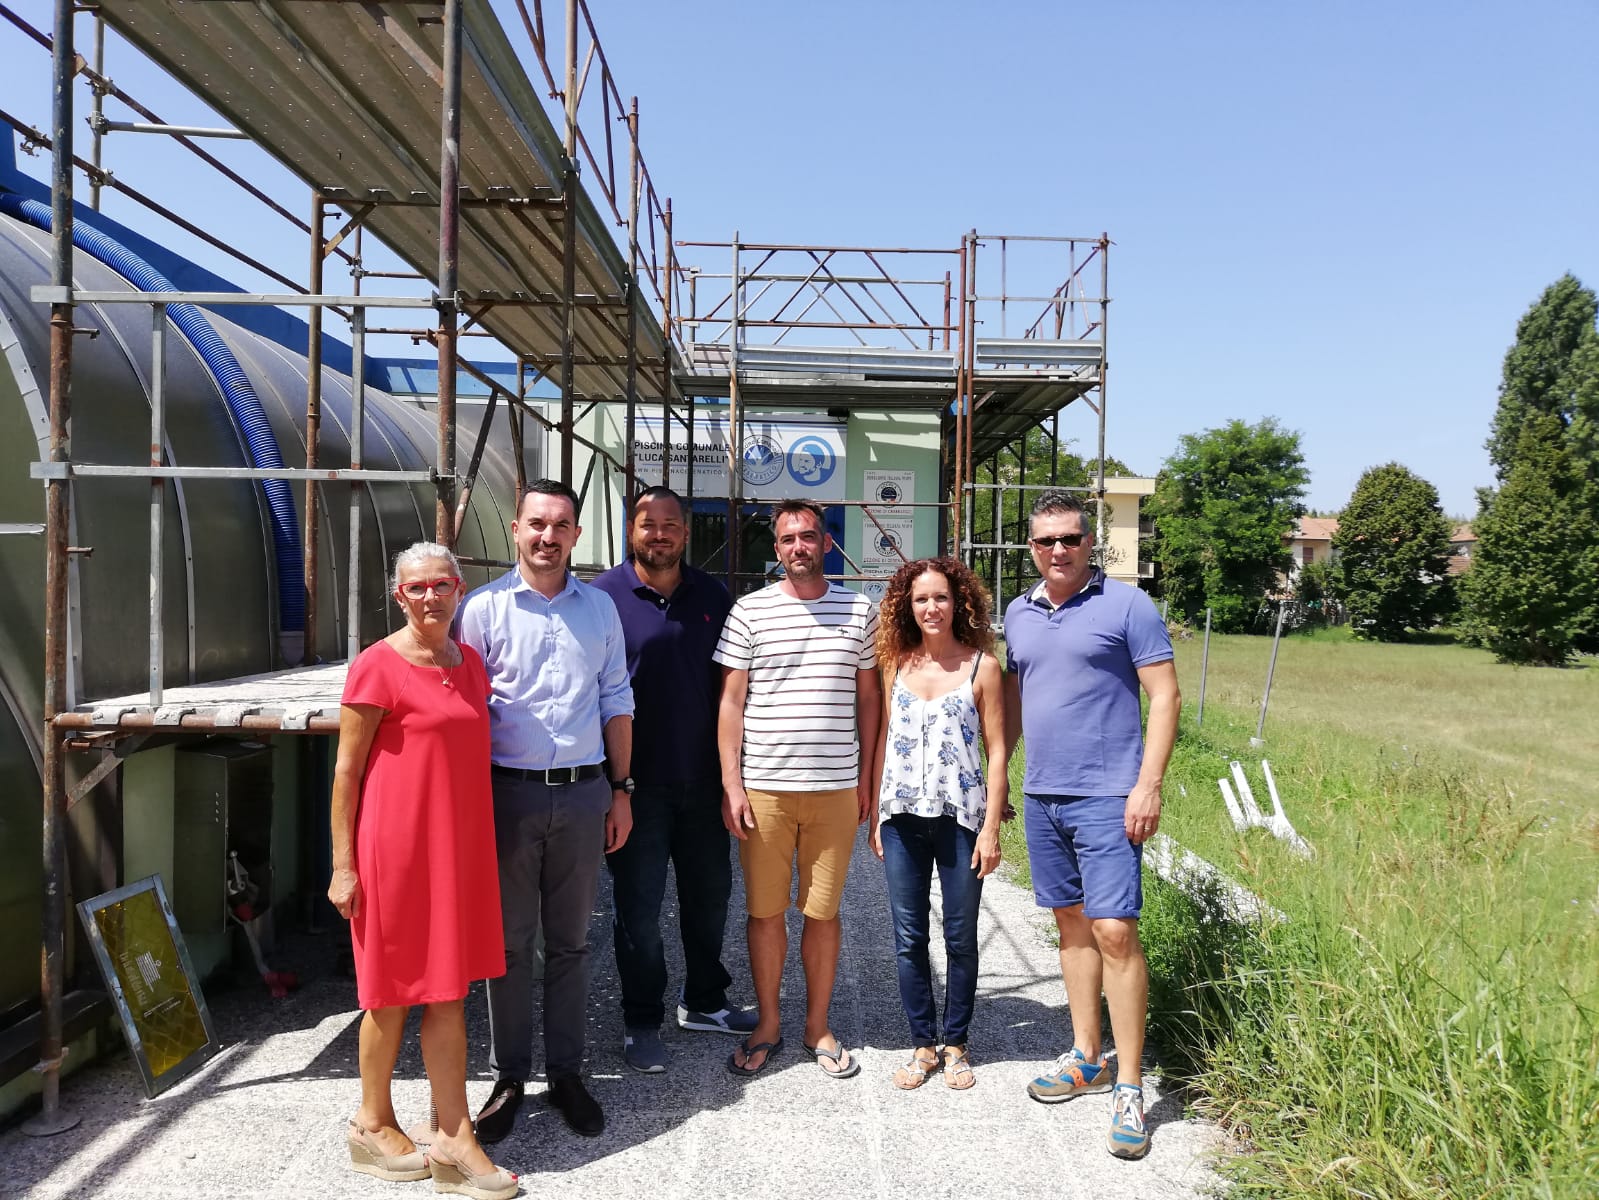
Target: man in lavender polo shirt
{"x":1080,"y":647}
{"x":672,"y":615}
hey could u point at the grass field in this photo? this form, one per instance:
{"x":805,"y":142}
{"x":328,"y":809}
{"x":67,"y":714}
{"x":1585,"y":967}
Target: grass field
{"x":1426,"y":1022}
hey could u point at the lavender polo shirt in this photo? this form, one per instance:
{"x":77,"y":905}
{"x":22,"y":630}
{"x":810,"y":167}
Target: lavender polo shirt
{"x":1077,"y":668}
{"x":676,"y":687}
{"x":557,"y":670}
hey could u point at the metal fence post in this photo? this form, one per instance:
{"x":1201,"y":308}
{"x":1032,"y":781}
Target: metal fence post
{"x":1271,"y":669}
{"x":1204,"y":671}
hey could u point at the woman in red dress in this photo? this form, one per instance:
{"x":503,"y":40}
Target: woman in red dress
{"x":414,"y":871}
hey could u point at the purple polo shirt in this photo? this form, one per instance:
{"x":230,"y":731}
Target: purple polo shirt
{"x":1077,"y":668}
{"x":676,"y":686}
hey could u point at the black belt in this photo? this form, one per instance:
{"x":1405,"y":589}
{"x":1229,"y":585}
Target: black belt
{"x":550,"y":776}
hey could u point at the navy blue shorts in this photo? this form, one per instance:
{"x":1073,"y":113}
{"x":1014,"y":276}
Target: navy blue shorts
{"x":1078,"y":849}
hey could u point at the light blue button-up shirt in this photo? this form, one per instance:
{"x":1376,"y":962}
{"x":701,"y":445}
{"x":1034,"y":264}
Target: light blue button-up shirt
{"x":557,"y":670}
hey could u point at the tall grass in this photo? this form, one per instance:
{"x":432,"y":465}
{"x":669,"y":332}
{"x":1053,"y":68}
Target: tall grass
{"x":1425,"y":1022}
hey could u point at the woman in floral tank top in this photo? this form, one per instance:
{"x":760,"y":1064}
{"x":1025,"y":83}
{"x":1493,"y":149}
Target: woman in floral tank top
{"x":943,"y":715}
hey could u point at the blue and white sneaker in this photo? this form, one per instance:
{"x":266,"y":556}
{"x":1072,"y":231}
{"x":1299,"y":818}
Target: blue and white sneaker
{"x":1127,"y":1137}
{"x":724,"y":1020}
{"x":1072,"y":1075}
{"x":643,"y":1050}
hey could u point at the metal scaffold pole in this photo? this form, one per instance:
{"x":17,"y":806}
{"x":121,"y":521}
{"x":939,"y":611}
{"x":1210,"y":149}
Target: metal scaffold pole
{"x":449,"y":264}
{"x":735,"y":433}
{"x":666,"y":346}
{"x":630,"y":432}
{"x":569,"y":246}
{"x":313,"y":426}
{"x":969,"y":357}
{"x":352,"y":629}
{"x":692,"y":453}
{"x":1104,"y":342}
{"x":158,"y":494}
{"x":58,"y":516}
{"x":958,"y":450}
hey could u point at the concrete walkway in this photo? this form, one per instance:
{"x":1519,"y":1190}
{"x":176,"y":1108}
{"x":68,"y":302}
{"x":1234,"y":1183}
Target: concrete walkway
{"x":266,"y":1118}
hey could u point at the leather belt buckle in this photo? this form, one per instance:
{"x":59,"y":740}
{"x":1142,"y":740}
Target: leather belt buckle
{"x":551,"y":776}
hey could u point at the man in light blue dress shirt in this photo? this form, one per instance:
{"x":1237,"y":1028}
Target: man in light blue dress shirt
{"x":561,"y":733}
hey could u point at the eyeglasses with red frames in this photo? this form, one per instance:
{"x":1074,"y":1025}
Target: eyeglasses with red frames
{"x":445,"y":585}
{"x":1065,"y":539}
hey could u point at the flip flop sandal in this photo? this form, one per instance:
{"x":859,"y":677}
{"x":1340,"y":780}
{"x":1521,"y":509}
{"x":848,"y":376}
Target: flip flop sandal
{"x":915,"y":1073}
{"x":771,"y":1049}
{"x":958,"y":1073}
{"x":838,"y":1070}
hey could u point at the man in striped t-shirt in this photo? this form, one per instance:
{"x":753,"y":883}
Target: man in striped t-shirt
{"x":800,"y":699}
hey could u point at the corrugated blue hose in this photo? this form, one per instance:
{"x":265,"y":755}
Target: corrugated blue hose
{"x":236,"y":390}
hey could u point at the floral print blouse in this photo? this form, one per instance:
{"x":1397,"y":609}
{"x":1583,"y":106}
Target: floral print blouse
{"x":932,"y":766}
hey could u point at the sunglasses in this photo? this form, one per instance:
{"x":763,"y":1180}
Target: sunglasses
{"x":443,"y":586}
{"x":1064,"y":539}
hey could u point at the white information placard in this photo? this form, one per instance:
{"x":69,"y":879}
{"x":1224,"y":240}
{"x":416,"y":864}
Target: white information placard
{"x":889,"y":487}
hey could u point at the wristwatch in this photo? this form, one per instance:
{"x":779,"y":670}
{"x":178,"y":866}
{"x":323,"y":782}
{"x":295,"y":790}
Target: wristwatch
{"x":623,"y":785}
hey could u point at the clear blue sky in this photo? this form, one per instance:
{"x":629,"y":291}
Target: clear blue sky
{"x":1331,"y":214}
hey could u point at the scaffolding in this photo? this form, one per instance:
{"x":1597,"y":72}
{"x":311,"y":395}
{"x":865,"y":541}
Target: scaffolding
{"x":440,"y":146}
{"x":447,"y":155}
{"x":790,"y":327}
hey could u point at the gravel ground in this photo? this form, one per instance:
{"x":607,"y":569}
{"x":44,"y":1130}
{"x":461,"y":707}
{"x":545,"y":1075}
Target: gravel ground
{"x":266,"y":1117}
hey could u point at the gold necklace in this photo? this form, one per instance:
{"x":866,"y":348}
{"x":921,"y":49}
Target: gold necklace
{"x":444,"y":676}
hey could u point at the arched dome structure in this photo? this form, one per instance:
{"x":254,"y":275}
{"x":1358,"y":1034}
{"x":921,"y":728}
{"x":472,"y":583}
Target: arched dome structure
{"x":220,"y":575}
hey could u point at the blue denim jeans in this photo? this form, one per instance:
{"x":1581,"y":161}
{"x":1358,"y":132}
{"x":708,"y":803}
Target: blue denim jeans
{"x":912,"y":847}
{"x":682,"y":824}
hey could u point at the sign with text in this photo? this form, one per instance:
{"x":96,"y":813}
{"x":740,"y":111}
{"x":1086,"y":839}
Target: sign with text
{"x":788,"y":458}
{"x":146,"y":968}
{"x":888,"y":532}
{"x":889,"y":487}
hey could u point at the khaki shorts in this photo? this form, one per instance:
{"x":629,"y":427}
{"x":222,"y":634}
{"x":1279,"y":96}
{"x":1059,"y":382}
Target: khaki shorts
{"x":818,"y":827}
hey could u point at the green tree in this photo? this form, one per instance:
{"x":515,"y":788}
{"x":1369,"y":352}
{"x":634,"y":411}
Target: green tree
{"x":1391,"y":555}
{"x":1313,"y":590}
{"x":1222,"y":505}
{"x":1538,"y":375}
{"x":1532,"y":594}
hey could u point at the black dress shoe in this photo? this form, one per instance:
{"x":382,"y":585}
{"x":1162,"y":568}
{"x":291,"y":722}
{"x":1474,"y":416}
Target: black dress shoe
{"x":578,"y":1109}
{"x":497,"y":1118}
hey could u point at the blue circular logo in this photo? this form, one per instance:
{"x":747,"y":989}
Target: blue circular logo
{"x":762,"y":459}
{"x":887,"y":543}
{"x":811,"y":461}
{"x":888,"y":492}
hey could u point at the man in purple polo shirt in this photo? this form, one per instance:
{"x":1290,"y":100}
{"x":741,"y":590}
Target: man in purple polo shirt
{"x":672,"y":615}
{"x":1079,"y":647}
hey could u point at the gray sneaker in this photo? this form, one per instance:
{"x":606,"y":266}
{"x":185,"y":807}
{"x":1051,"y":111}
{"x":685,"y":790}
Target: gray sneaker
{"x":723,"y":1020}
{"x":643,"y":1050}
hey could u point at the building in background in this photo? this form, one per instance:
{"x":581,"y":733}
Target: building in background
{"x":1311,"y":541}
{"x":1462,"y":545}
{"x":1127,"y":530}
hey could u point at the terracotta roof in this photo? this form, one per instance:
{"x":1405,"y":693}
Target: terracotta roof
{"x":1463,"y":533}
{"x":1316,"y":529}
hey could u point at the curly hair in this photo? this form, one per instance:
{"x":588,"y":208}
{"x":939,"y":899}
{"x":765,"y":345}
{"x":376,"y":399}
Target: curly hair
{"x":897,"y":631}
